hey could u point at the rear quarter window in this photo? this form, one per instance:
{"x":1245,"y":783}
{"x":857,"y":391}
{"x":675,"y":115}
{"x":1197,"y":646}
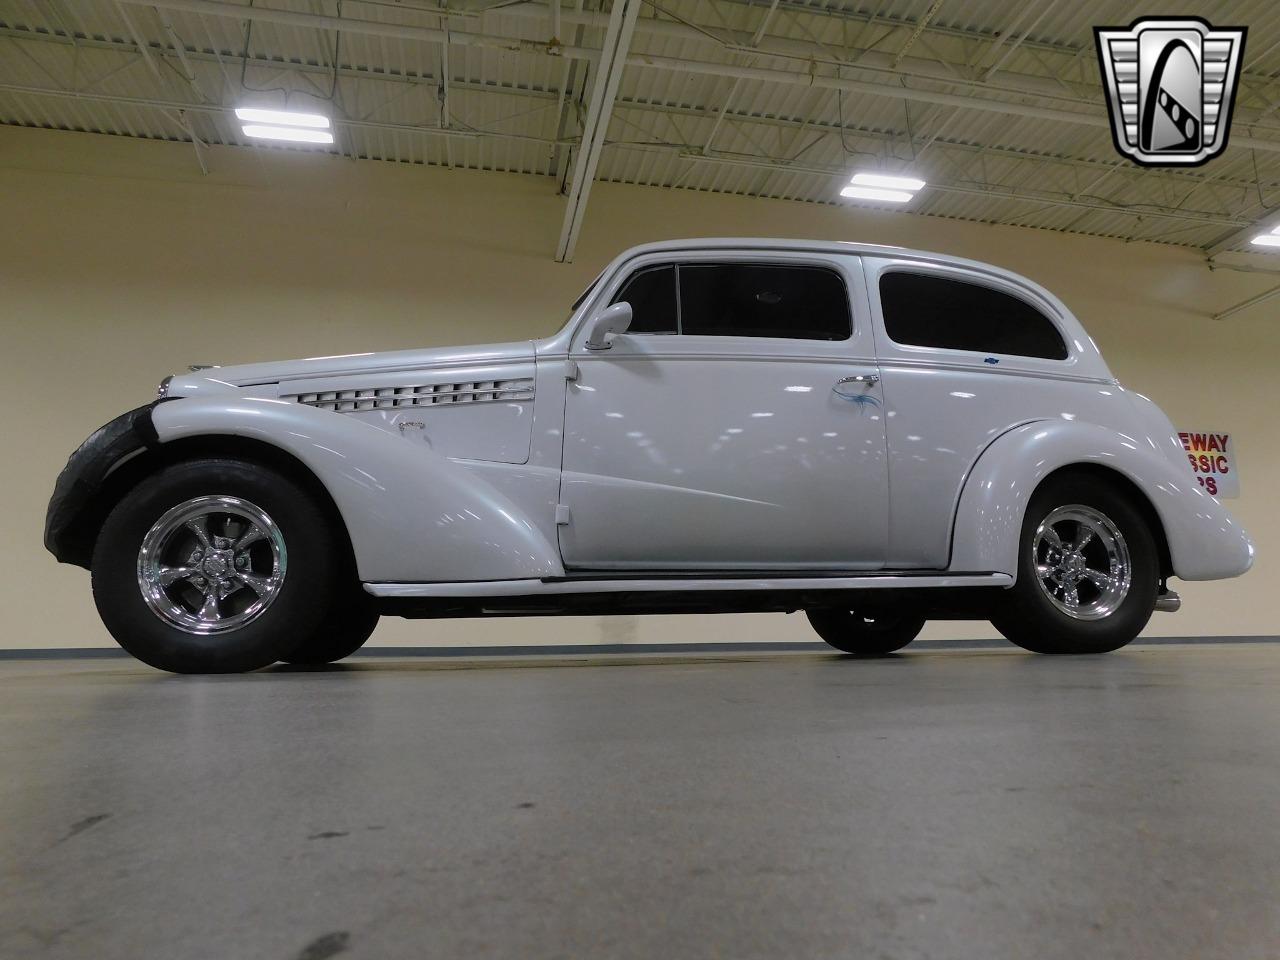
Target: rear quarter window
{"x":924,"y":310}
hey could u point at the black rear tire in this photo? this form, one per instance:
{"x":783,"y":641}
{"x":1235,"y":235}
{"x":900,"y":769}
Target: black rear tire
{"x":345,"y":631}
{"x":1029,"y":617}
{"x":315,"y":564}
{"x":866,"y":635}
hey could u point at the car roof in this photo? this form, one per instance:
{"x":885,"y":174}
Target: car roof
{"x":732,"y":245}
{"x":815,"y":246}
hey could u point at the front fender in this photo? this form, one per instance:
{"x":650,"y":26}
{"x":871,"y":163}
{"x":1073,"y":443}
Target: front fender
{"x":412,"y":515}
{"x":1205,"y":542}
{"x":69,"y":525}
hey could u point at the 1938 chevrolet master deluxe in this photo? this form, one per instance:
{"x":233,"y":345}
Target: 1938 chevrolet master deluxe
{"x":873,"y":435}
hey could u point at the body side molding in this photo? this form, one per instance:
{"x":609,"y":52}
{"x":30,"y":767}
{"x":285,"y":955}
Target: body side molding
{"x":524,"y":588}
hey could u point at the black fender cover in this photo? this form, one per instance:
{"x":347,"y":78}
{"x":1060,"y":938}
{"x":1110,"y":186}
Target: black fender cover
{"x":82,"y":478}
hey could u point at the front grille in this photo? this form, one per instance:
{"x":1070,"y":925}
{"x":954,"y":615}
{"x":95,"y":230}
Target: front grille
{"x":431,"y":394}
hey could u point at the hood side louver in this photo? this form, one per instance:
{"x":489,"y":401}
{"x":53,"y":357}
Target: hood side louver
{"x":431,"y":394}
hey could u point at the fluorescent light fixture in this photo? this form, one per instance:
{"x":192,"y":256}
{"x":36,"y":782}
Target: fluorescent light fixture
{"x":285,"y":118}
{"x":292,"y":134}
{"x":887,"y":183}
{"x":873,"y":193}
{"x":1267,"y":240}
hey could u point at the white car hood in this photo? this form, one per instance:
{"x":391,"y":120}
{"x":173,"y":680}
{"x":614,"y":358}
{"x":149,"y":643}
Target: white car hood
{"x":278,"y":371}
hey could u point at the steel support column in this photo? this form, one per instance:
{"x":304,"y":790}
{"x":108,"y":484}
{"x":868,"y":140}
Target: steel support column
{"x":613,"y":57}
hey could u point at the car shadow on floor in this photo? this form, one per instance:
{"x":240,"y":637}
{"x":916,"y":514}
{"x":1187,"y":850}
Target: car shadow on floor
{"x":385,"y":664}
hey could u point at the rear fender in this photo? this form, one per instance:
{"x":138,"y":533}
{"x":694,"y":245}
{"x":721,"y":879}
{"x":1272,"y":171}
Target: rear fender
{"x":412,"y":515}
{"x":1205,"y":542}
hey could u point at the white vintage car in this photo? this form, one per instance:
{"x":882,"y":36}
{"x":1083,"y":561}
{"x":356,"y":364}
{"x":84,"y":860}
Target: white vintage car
{"x":872,"y":435}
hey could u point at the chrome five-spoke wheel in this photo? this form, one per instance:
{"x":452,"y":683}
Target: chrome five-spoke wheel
{"x":1082,"y":562}
{"x":190,"y":571}
{"x":211,"y":564}
{"x":1088,"y":570}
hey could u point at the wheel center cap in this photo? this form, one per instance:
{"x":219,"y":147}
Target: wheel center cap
{"x":217,"y":563}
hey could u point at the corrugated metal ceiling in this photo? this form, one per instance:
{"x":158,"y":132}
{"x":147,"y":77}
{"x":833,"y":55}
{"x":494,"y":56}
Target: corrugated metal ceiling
{"x":990,"y":158}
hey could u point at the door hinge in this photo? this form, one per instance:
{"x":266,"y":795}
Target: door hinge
{"x":562,"y":515}
{"x":571,"y":370}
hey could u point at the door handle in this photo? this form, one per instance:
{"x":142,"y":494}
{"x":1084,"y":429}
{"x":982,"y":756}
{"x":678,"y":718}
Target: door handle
{"x":866,"y":379}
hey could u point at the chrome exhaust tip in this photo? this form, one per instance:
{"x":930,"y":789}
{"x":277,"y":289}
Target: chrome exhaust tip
{"x":1168,"y":602}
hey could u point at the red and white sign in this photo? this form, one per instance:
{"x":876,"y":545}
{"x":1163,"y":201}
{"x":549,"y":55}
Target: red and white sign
{"x":1213,"y":461}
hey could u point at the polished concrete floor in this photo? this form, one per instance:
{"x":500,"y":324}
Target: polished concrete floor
{"x":943,"y":804}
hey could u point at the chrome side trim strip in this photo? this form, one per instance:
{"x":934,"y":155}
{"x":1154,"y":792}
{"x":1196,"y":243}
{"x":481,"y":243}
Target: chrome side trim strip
{"x":891,"y":363}
{"x":529,"y":588}
{"x":845,"y":359}
{"x":1010,"y":371}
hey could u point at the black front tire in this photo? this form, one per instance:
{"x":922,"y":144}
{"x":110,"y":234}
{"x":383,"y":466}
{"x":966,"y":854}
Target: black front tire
{"x":866,"y":635}
{"x":315,"y":565}
{"x":1028,"y":617}
{"x":348,"y":627}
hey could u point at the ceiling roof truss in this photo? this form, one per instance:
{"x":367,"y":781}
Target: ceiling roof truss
{"x":999,"y":112}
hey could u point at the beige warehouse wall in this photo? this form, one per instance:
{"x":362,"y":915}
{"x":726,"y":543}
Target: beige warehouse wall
{"x":120,"y":263}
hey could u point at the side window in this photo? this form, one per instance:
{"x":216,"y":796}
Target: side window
{"x":927,"y":311}
{"x":763,"y":300}
{"x":651,"y":291}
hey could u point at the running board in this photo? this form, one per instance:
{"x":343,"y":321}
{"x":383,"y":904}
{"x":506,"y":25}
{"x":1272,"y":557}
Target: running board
{"x":536,"y":588}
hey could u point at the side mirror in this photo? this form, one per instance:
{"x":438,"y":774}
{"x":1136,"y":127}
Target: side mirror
{"x":607,"y":324}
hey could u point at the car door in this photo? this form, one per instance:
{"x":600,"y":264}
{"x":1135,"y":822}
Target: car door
{"x":736,"y":426}
{"x":966,"y":356}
